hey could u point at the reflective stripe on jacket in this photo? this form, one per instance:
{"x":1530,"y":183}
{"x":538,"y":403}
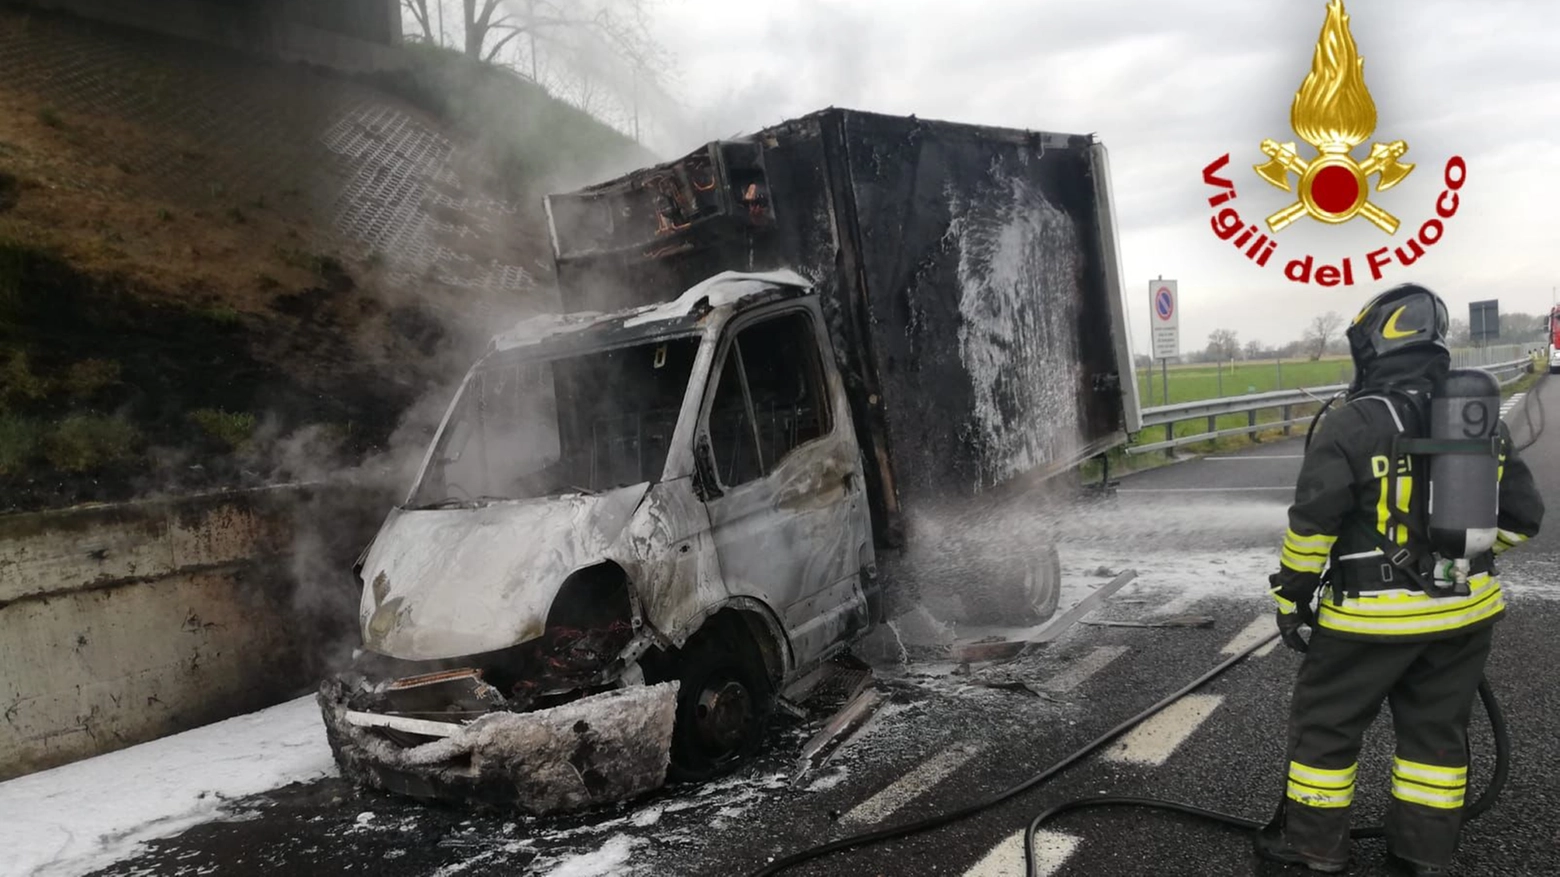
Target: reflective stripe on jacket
{"x":1349,"y":479}
{"x":1411,"y":612}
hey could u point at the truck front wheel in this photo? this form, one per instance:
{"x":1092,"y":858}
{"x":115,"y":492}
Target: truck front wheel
{"x":724,"y":702}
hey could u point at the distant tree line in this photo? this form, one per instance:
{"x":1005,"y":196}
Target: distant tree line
{"x":1323,"y":336}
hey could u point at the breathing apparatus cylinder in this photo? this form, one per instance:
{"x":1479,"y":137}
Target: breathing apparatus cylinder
{"x":1464,"y":489}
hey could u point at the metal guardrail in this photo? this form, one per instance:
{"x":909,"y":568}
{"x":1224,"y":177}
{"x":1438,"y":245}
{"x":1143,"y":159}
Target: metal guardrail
{"x":1286,"y":401}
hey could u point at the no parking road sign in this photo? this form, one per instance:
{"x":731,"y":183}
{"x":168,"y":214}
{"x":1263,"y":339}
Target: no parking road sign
{"x":1165,"y":324}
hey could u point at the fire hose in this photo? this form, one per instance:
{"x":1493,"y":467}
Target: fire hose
{"x":1497,"y":719}
{"x":1486,"y":800}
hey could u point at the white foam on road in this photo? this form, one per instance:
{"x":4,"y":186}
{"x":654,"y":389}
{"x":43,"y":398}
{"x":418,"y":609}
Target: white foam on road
{"x":1253,"y":633}
{"x":1006,"y":859}
{"x":84,"y":816}
{"x":909,"y":787}
{"x":1083,"y":668}
{"x":612,"y":858}
{"x":1169,"y":582}
{"x":1154,"y":741}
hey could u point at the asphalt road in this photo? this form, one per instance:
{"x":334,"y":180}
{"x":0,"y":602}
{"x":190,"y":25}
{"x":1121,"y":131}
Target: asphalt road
{"x":1202,"y":535}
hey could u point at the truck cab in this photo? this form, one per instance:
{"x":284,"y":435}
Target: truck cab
{"x":638,"y":480}
{"x":708,"y":448}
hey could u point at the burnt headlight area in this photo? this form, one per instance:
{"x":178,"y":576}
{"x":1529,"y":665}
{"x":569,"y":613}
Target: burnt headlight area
{"x":588,"y":627}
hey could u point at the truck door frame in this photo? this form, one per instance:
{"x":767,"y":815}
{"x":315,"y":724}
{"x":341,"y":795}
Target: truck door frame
{"x":818,"y":595}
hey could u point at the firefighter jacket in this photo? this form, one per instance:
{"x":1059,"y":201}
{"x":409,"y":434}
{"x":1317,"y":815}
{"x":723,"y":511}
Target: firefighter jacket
{"x":1341,"y":511}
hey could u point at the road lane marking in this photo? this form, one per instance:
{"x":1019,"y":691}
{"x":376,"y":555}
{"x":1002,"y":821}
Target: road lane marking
{"x":1006,"y":859}
{"x":1289,"y":487}
{"x":1261,"y":626}
{"x":1177,"y":605}
{"x":908,"y":787}
{"x":1154,"y":741}
{"x":1261,"y":457}
{"x":1083,"y":668}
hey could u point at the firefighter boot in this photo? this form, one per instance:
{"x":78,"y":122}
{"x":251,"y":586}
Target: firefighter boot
{"x":1272,"y":844}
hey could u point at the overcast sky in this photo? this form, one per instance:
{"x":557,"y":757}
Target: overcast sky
{"x":1169,"y":86}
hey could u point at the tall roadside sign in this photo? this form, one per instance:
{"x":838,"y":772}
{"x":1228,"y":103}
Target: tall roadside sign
{"x":1483,"y":321}
{"x":1164,"y":327}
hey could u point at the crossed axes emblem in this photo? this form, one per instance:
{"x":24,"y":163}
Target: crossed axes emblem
{"x":1383,"y":159}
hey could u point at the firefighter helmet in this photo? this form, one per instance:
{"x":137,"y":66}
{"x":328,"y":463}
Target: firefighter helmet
{"x":1405,"y":317}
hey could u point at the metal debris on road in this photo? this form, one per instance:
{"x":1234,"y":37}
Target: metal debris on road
{"x":837,"y":731}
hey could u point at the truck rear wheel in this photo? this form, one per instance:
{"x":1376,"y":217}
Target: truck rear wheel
{"x":1018,"y":589}
{"x":1044,"y":583}
{"x":723,"y":703}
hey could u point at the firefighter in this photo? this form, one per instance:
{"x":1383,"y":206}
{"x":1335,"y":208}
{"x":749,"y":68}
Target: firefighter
{"x":1387,"y":626}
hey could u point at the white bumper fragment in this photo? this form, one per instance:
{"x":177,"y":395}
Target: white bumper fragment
{"x":599,"y":749}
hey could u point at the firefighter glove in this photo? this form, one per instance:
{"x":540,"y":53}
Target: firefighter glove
{"x":1289,"y":624}
{"x":1292,"y":616}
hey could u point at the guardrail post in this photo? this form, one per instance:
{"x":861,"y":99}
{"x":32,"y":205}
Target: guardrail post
{"x":1170,"y":437}
{"x":1213,"y":423}
{"x":1289,"y":428}
{"x":1251,"y":421}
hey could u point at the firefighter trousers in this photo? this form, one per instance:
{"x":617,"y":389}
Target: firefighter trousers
{"x":1430,"y":687}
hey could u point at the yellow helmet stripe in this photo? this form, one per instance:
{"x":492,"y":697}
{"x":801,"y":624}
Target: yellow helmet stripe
{"x":1390,"y":330}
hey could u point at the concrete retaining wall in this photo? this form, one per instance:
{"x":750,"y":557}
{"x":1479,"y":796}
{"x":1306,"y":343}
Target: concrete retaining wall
{"x":355,"y":36}
{"x":123,"y":623}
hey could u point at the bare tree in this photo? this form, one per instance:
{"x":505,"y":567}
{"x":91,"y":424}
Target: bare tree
{"x":622,"y":24}
{"x":1253,"y":349}
{"x":1222,"y":344}
{"x":596,"y":54}
{"x":477,"y":17}
{"x":1457,"y":333}
{"x":419,"y":11}
{"x":1321,"y":331}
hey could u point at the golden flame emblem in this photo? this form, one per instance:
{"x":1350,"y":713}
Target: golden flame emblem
{"x":1333,"y":111}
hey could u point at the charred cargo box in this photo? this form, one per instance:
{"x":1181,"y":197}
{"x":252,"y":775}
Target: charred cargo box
{"x":969,"y":276}
{"x":800,"y":379}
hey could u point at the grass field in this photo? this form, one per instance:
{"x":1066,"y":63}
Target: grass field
{"x":1189,"y":383}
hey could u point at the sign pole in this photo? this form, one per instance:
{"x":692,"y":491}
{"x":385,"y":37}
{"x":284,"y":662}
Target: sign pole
{"x":1165,"y":329}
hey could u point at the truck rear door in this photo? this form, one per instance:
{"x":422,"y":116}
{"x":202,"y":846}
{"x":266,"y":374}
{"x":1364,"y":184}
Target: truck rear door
{"x":787,"y":509}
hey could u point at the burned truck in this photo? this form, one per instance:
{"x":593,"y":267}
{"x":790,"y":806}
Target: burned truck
{"x":794,"y":374}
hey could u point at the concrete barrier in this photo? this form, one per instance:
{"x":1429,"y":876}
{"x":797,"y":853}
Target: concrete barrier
{"x":122,"y":623}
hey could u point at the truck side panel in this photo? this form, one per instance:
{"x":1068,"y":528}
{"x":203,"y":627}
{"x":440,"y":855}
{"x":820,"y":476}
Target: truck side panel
{"x":987,"y":300}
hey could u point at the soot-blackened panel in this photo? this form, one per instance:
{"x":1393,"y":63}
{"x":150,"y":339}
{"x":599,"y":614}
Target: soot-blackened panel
{"x":979,"y":254}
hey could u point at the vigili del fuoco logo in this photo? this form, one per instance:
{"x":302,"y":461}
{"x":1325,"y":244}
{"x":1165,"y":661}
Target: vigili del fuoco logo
{"x":1334,"y":113}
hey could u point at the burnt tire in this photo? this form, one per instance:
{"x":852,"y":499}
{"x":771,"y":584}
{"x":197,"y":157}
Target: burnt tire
{"x":1018,"y":589}
{"x":1048,"y":566}
{"x":724,"y":703}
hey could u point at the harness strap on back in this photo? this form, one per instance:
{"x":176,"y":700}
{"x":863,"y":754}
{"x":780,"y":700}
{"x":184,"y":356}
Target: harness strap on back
{"x":1404,"y":558}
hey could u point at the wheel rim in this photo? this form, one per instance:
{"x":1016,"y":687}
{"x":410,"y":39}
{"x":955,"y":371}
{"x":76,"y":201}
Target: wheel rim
{"x":721,"y":717}
{"x":1042,"y":584}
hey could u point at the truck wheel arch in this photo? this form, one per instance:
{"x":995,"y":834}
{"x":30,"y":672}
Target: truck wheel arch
{"x":595,"y":594}
{"x":760,"y":622}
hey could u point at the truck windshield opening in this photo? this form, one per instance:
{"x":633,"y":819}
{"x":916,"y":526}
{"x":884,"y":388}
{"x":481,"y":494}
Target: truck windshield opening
{"x":579,"y":424}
